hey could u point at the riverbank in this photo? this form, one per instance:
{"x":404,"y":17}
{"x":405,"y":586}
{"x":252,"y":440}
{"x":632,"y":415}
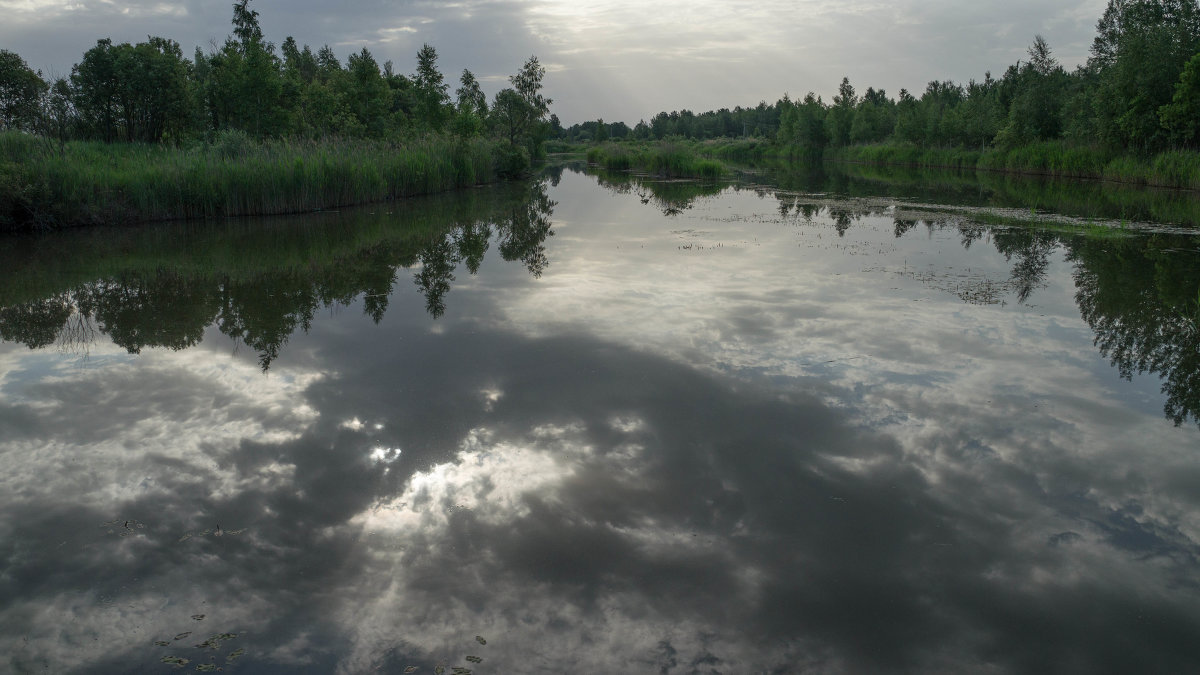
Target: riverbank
{"x":668,"y":159}
{"x":46,"y":186}
{"x":679,"y":158}
{"x":1174,"y":169}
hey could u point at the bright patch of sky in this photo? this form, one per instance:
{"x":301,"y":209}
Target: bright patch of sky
{"x":615,"y":59}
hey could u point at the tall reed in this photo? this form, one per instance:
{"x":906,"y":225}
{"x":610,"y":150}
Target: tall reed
{"x":1175,"y":169}
{"x":90,"y":183}
{"x":668,"y":158}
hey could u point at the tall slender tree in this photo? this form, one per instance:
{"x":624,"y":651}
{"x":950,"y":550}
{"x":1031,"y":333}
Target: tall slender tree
{"x":431,"y":89}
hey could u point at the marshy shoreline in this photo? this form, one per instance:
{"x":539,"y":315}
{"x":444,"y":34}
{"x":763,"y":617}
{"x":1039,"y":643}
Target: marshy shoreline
{"x":45,"y":186}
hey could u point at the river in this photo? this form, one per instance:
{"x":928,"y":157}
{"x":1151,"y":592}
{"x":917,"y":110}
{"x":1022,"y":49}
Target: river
{"x":603,"y":423}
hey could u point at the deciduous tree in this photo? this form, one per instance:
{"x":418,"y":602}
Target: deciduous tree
{"x":20,"y":88}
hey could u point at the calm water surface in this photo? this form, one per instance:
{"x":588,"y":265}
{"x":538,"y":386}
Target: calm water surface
{"x":598,"y":424}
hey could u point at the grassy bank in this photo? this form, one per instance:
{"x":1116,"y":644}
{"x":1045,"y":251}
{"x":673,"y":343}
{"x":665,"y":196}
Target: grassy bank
{"x":240,"y":248}
{"x":669,"y":159}
{"x":1175,"y":169}
{"x":1008,"y":190}
{"x":83,"y":183}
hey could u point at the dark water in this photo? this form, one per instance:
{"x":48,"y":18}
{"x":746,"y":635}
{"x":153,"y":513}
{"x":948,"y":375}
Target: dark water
{"x":800,"y":424}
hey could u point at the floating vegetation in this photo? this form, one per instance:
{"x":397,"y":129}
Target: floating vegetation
{"x":475,"y":659}
{"x":972,"y":287}
{"x":410,"y":669}
{"x":235,"y":654}
{"x":162,"y":643}
{"x":123,"y":527}
{"x":480,"y":640}
{"x":176,"y":660}
{"x":198,"y":617}
{"x":439,"y":669}
{"x":459,"y":670}
{"x":215,"y":532}
{"x":206,"y":667}
{"x":215,"y":641}
{"x":183,"y":635}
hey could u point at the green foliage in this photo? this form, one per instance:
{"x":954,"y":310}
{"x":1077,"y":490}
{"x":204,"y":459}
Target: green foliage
{"x":668,"y":159}
{"x":236,"y":175}
{"x":510,"y":115}
{"x":367,"y":94}
{"x":242,"y":84}
{"x":20,"y":88}
{"x":1138,"y":95}
{"x":251,"y":131}
{"x":471,"y":111}
{"x":841,"y":114}
{"x":1139,"y":53}
{"x":57,"y":118}
{"x":96,"y":87}
{"x":512,"y":161}
{"x":431,"y":90}
{"x":150,"y":93}
{"x":519,"y":113}
{"x":19,"y":197}
{"x":1035,"y":112}
{"x":1181,"y":117}
{"x":1178,"y":169}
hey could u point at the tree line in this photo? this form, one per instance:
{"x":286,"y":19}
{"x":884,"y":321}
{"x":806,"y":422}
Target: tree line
{"x":1139,"y":92}
{"x":150,"y":92}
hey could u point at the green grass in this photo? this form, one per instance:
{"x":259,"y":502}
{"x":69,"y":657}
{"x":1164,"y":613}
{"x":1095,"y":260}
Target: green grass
{"x":1174,"y":169}
{"x":1039,"y":223}
{"x":94,"y":183}
{"x":670,"y":159}
{"x":905,"y":155}
{"x":565,"y":148}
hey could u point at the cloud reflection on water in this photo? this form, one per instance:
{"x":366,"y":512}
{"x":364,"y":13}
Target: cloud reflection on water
{"x":732,"y":525}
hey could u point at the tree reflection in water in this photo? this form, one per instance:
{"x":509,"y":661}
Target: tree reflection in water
{"x":264,"y":306}
{"x":1138,"y":293}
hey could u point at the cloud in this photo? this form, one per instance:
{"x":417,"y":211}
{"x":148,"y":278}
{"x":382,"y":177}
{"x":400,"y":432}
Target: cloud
{"x":618,"y":59}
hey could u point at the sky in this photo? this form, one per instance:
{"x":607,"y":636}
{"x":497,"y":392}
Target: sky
{"x":612,"y":59}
